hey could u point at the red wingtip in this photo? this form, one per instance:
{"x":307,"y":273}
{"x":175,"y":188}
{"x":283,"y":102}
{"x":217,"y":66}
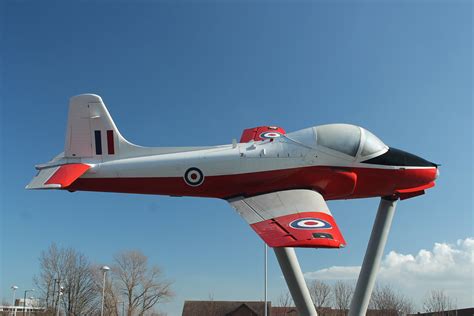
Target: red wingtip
{"x":309,"y":229}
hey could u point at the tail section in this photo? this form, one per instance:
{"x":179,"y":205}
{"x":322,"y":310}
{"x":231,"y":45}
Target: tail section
{"x":91,"y":132}
{"x":91,"y":138}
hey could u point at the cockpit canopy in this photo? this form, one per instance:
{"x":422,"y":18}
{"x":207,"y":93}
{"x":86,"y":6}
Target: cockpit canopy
{"x":348,"y":139}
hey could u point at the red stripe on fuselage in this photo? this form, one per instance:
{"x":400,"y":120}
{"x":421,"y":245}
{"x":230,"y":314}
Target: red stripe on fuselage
{"x":332,"y":182}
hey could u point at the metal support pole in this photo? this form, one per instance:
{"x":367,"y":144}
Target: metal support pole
{"x":103,"y":296}
{"x":58,"y":310}
{"x":24,"y":302}
{"x":294,"y":279}
{"x":58,"y":303}
{"x":373,"y":256}
{"x":265,"y":277}
{"x":14,"y":288}
{"x":54,"y":295}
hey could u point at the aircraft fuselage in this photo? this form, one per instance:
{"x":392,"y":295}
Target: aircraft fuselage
{"x":248,"y":169}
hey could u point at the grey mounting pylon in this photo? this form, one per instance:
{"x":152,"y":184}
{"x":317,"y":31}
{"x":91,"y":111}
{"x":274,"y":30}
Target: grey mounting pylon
{"x":373,"y":256}
{"x":365,"y":283}
{"x":295,"y":280}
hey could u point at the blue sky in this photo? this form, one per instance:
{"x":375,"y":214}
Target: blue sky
{"x":198,"y":73}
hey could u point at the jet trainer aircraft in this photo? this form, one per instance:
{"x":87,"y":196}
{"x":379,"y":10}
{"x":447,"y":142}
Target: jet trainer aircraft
{"x":277,"y":181}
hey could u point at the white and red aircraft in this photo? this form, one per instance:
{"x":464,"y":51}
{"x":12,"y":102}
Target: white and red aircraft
{"x":277,"y":181}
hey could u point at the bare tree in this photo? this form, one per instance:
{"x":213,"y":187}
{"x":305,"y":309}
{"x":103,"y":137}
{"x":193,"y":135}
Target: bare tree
{"x":438,"y":302}
{"x":70,"y":269}
{"x":389,"y":302}
{"x":342,"y":296}
{"x":285,"y":300}
{"x":111,"y":299}
{"x":79,"y":296}
{"x":320,"y":293}
{"x":140,"y":284}
{"x":210,"y":308}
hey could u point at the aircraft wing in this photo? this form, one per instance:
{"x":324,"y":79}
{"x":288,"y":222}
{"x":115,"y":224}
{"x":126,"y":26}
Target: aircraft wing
{"x":57,"y":177}
{"x":293,"y":218}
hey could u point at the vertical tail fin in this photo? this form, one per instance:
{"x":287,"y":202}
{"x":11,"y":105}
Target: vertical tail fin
{"x":91,"y":132}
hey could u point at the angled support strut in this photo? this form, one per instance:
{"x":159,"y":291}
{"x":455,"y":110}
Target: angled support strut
{"x":294,"y":278}
{"x":373,"y":256}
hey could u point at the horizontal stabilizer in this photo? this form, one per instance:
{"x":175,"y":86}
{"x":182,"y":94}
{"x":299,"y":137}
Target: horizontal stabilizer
{"x":57,"y":177}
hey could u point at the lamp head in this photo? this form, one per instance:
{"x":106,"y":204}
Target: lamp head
{"x":105,"y":268}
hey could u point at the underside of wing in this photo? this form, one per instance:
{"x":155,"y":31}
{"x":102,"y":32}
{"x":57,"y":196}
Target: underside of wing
{"x":293,"y":218}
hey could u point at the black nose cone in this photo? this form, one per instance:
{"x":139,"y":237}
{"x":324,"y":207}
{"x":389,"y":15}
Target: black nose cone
{"x":397,"y":157}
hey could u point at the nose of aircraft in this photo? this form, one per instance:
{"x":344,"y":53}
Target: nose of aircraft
{"x":397,"y":157}
{"x":426,"y":172}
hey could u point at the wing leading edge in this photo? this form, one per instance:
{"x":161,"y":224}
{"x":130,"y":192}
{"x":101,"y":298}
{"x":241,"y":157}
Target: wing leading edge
{"x":293,"y":218}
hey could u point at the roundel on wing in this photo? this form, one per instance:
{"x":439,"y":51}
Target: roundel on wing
{"x":193,"y":177}
{"x":270,"y":135}
{"x":310,"y":223}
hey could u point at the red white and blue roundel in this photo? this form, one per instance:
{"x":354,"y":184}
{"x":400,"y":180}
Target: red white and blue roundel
{"x":310,"y":223}
{"x":270,"y":135}
{"x":193,"y":177}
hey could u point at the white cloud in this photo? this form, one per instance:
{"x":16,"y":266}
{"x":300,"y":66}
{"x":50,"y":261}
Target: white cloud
{"x":334,"y":273}
{"x":446,"y":266}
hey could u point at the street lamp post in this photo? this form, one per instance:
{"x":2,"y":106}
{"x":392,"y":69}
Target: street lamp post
{"x":104,"y":270}
{"x":24,"y":300}
{"x":265,"y":272}
{"x":121,"y":309}
{"x":60,"y":293}
{"x":55,"y":281}
{"x":14,"y":288}
{"x":31,"y":300}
